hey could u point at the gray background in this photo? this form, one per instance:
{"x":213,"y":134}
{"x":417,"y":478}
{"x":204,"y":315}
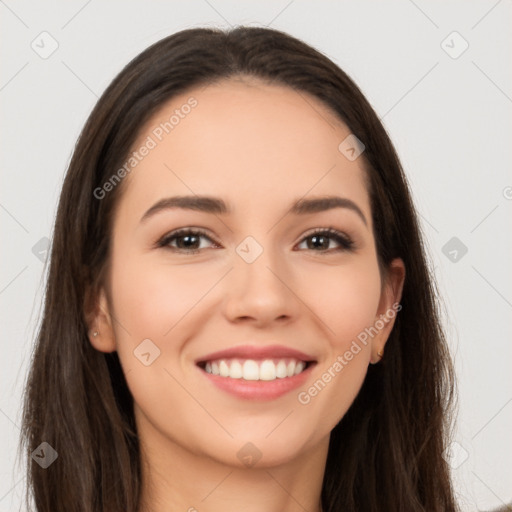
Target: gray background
{"x":448,"y":113}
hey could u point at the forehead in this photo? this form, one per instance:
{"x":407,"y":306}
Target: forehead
{"x":247,"y":142}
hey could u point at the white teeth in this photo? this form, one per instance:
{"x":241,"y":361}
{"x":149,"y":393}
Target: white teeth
{"x":300,"y":366}
{"x":249,"y":369}
{"x":223,"y":369}
{"x":267,"y":370}
{"x":235,"y":370}
{"x":281,"y":370}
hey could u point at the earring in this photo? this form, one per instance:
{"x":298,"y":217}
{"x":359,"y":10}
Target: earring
{"x":95,"y":333}
{"x":380,"y":353}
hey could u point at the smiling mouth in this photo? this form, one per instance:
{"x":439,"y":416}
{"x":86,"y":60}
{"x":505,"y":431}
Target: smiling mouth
{"x":255,"y":369}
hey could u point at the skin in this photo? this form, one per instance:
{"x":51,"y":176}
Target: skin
{"x":260,"y":148}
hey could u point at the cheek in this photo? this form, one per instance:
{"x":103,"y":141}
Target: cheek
{"x":345,"y":298}
{"x":159,"y":302}
{"x":152,"y":297}
{"x":152,"y":301}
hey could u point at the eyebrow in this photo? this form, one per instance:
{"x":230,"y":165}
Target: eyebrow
{"x":214,"y":205}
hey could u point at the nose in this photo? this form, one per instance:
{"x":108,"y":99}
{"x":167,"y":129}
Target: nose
{"x":262,"y":291}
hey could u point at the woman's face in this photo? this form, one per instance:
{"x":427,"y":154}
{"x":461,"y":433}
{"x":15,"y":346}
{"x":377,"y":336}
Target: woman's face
{"x":256,"y":277}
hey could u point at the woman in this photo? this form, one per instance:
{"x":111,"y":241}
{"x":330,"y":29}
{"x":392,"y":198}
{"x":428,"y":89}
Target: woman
{"x":239,"y":313}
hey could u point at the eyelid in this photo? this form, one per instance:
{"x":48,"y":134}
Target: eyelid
{"x":164,"y":240}
{"x":326,"y":229}
{"x":345,"y":242}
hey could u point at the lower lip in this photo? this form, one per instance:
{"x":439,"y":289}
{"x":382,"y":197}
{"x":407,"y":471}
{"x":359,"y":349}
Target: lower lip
{"x":259,"y":389}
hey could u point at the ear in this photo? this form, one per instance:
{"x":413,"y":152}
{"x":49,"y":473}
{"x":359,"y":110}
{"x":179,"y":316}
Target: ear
{"x":99,"y":322}
{"x":389,"y":306}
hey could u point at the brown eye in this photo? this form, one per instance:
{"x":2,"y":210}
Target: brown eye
{"x":321,"y":240}
{"x":189,"y":241}
{"x":185,"y":240}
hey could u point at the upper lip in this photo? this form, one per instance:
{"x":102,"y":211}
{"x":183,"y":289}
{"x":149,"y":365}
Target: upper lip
{"x":257,"y":352}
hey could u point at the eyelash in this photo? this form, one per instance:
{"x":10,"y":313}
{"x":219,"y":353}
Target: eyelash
{"x":345,"y":242}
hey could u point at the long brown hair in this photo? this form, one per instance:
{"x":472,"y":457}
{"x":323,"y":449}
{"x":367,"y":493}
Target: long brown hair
{"x":386,"y":454}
